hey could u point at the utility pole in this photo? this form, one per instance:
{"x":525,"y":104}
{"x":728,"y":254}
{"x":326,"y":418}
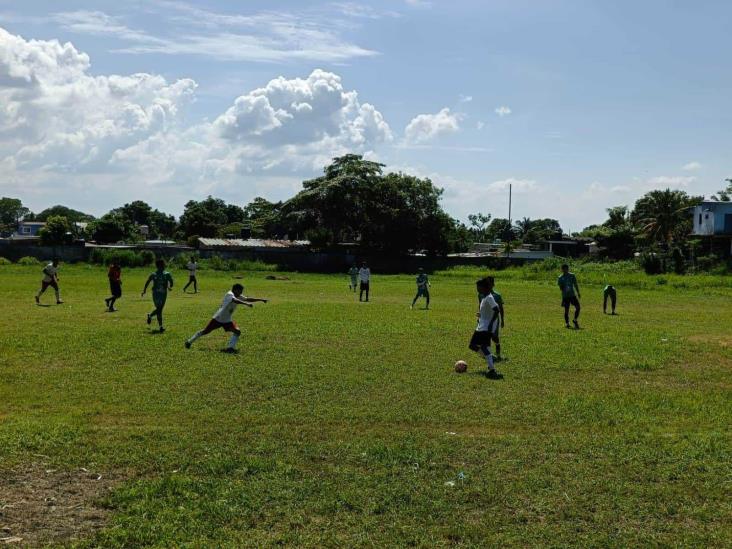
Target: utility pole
{"x":510,"y":232}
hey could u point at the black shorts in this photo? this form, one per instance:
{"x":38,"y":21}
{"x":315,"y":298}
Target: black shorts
{"x":115,"y":288}
{"x":192,"y":278}
{"x":567,"y":301}
{"x":480,"y":339}
{"x":365,"y":286}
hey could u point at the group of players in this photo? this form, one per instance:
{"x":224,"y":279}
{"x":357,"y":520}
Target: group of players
{"x":490,"y":303}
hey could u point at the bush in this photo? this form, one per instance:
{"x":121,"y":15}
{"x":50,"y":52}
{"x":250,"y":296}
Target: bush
{"x":28,"y":261}
{"x":125,"y":258}
{"x":192,"y":241}
{"x":4,"y":261}
{"x":651,"y":263}
{"x":707,"y":262}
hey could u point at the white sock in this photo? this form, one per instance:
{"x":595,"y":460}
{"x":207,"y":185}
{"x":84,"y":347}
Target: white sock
{"x":195,"y":336}
{"x":233,"y":340}
{"x":488,"y":358}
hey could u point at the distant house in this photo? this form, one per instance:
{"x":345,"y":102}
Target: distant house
{"x":714,"y":220}
{"x":28,"y":229}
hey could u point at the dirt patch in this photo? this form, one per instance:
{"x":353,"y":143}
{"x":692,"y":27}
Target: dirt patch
{"x":721,"y":340}
{"x":40,"y":505}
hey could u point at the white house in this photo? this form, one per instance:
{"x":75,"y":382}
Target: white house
{"x":713,"y":219}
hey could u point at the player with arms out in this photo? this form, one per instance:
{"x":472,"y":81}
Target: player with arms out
{"x":423,"y":288}
{"x":223,"y":317}
{"x":192,"y":267}
{"x":487,"y":325}
{"x":162,"y":282}
{"x":568,"y":284}
{"x":115,"y":285}
{"x":50,"y":278}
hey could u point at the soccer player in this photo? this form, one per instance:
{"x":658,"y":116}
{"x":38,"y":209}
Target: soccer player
{"x":496,"y":337}
{"x":423,"y":288}
{"x":192,"y":267}
{"x":609,"y":292}
{"x":364,"y":273}
{"x":487,"y":325}
{"x":115,"y":285}
{"x":162,"y":282}
{"x":353,"y":273}
{"x":222,"y":318}
{"x":568,"y":284}
{"x":50,"y":278}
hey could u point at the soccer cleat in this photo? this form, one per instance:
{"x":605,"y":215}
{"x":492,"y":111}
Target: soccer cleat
{"x":38,"y":300}
{"x":492,"y":374}
{"x":106,"y":302}
{"x":230,"y":350}
{"x":59,"y":302}
{"x":576,"y":325}
{"x":566,"y":325}
{"x":149,"y":320}
{"x":162,"y":329}
{"x":188,"y":344}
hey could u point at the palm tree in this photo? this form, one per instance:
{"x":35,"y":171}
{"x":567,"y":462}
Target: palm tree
{"x":663,"y":215}
{"x":725,"y":195}
{"x":524,"y":227}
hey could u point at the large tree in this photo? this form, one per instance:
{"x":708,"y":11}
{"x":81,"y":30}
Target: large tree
{"x":205,"y":217}
{"x":57,"y":231}
{"x":264,"y":218}
{"x":662,"y":216}
{"x":141,"y":213}
{"x":72,"y":216}
{"x":11,"y":212}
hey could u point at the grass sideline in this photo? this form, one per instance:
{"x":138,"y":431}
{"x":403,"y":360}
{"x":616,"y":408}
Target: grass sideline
{"x":342,"y":423}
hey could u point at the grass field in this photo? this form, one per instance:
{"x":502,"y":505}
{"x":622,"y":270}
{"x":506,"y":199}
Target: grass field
{"x":343,"y":424}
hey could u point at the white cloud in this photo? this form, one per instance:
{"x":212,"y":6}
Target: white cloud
{"x":465,"y":98}
{"x":691,"y":166}
{"x":517,"y":185}
{"x":418,"y":3}
{"x":480,"y":125}
{"x":262,"y":37}
{"x":63,"y":130}
{"x":425,"y":127}
{"x":673,"y":182}
{"x":503,"y":111}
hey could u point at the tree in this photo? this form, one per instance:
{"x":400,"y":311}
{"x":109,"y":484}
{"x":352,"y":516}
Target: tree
{"x":663,"y":216}
{"x":203,"y":218}
{"x":725,"y":195}
{"x":141,"y":213}
{"x":478,"y":225}
{"x":264,"y":218}
{"x":500,"y":229}
{"x":112,"y":227}
{"x":72,"y":216}
{"x":11,"y":212}
{"x":618,"y":217}
{"x":56,"y":230}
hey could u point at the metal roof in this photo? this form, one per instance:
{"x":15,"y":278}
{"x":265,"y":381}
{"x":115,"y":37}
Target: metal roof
{"x":251,"y":243}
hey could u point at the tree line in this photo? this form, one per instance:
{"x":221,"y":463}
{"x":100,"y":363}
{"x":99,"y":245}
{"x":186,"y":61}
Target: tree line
{"x":355,"y":201}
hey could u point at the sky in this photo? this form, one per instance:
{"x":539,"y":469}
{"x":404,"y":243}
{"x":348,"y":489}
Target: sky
{"x":580,"y":105}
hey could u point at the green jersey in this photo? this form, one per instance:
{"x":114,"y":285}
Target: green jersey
{"x":161,"y":281}
{"x":567,"y":283}
{"x":422,"y":281}
{"x":498,"y":297}
{"x":353,"y":272}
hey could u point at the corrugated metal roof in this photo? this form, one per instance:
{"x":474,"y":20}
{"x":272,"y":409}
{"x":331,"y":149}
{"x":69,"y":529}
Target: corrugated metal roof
{"x":251,"y":243}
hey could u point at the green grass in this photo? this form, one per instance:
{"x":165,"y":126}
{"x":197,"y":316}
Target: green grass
{"x":339,"y":423}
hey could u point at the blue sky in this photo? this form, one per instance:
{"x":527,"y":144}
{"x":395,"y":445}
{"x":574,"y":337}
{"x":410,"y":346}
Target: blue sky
{"x":581,"y":105}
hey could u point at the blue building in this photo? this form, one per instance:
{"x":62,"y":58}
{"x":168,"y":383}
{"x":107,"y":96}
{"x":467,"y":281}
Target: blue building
{"x":28,"y":229}
{"x":714,"y":220}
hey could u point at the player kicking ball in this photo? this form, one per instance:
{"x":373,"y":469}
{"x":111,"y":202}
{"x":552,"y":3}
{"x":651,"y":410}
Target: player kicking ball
{"x":223,"y":317}
{"x":50,"y":278}
{"x":487,"y":325}
{"x":162,"y":282}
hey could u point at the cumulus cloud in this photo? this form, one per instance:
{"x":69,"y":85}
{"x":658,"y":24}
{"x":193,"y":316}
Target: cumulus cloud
{"x":63,"y":129}
{"x":517,"y":185}
{"x":465,"y":98}
{"x":503,"y":111}
{"x":426,"y":127}
{"x":674,"y":182}
{"x":691,"y":166}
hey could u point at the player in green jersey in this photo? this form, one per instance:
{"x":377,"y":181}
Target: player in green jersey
{"x":568,"y":284}
{"x":162,"y":282}
{"x":353,"y":273}
{"x":423,"y":288}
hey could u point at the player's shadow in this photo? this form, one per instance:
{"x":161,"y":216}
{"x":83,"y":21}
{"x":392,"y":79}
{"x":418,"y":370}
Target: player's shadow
{"x":42,"y":305}
{"x":484,"y":374}
{"x":154,"y":332}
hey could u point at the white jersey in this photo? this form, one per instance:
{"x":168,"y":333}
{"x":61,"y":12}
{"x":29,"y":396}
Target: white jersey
{"x":364,"y":273}
{"x":228,"y":305}
{"x":49,"y":273}
{"x":192,"y":268}
{"x":487,"y":310}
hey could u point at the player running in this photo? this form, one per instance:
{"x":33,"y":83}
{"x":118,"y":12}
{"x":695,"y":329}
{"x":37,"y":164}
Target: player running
{"x":568,"y":284}
{"x":487,"y":325}
{"x":423,"y":288}
{"x":364,"y":273}
{"x":353,"y":273}
{"x":192,"y":267}
{"x":50,"y":278}
{"x":223,"y":317}
{"x":162,"y":282}
{"x":609,"y":292}
{"x":115,"y":285}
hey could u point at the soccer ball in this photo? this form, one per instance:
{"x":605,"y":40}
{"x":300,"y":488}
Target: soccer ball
{"x":461,"y":366}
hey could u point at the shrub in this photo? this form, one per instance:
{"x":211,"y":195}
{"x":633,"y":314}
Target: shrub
{"x":651,"y":263}
{"x":125,"y":258}
{"x":4,"y":261}
{"x":28,"y":261}
{"x":192,"y":241}
{"x":147,"y":257}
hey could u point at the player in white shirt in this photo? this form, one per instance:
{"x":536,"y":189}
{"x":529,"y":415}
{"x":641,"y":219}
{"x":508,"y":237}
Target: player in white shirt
{"x":50,"y":278}
{"x":364,"y":275}
{"x":223,"y":317}
{"x":487,"y":325}
{"x":192,"y":268}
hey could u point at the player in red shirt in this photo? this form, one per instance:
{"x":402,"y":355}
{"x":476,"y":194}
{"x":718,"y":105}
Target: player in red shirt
{"x":115,"y":285}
